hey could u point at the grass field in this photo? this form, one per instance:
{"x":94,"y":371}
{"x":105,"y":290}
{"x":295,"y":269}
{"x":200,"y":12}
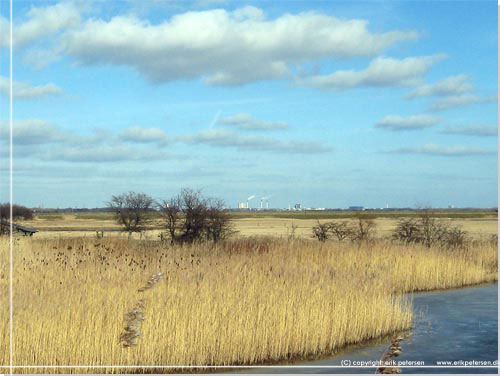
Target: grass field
{"x":346,"y":214}
{"x":245,"y":301}
{"x":479,"y":224}
{"x":306,"y":214}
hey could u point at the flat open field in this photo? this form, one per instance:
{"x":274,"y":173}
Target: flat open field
{"x":478,"y":224}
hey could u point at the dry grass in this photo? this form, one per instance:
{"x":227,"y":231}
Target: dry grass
{"x":477,"y":227}
{"x":244,"y":302}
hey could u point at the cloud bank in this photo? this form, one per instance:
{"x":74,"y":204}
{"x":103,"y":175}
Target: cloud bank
{"x":459,"y":101}
{"x":382,"y":72}
{"x":235,"y":47}
{"x":144,"y":135}
{"x":451,"y":151}
{"x":223,"y":138}
{"x":40,"y":22}
{"x":413,"y":122}
{"x":453,"y":85}
{"x":472,"y":130}
{"x":247,"y":122}
{"x":22,"y":90}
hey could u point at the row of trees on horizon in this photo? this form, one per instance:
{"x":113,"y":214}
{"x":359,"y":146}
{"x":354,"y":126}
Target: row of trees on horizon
{"x":187,"y":217}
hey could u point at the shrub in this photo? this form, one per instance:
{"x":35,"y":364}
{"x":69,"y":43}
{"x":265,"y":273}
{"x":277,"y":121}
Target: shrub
{"x":322,"y":231}
{"x":342,"y":230}
{"x":363,"y":230}
{"x":454,"y":237}
{"x":429,"y":231}
{"x":408,"y":231}
{"x":18,"y":212}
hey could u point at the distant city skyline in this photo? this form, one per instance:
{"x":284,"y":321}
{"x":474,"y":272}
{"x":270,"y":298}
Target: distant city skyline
{"x":292,"y":207}
{"x":325,"y":103}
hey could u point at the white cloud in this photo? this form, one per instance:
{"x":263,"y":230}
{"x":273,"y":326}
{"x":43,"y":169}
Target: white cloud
{"x":143,"y":135}
{"x":234,"y":48}
{"x":44,"y":21}
{"x":413,"y":122}
{"x":39,"y":23}
{"x":448,"y":86}
{"x":472,"y":130}
{"x":382,"y":72}
{"x":36,"y":138}
{"x":39,"y":58}
{"x":41,"y":133}
{"x":107,"y":153}
{"x":451,"y":151}
{"x":22,"y":90}
{"x":222,"y":138}
{"x":247,"y":122}
{"x":31,"y":132}
{"x":457,"y":101}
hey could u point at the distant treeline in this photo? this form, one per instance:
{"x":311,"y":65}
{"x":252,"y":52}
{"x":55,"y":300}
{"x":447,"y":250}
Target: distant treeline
{"x":70,"y":210}
{"x":301,"y":211}
{"x":18,"y":211}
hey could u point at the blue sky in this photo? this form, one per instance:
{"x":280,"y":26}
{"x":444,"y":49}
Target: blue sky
{"x":324,"y":103}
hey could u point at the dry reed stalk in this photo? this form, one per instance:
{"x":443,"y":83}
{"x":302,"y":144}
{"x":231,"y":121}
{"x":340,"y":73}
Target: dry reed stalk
{"x":242,"y":302}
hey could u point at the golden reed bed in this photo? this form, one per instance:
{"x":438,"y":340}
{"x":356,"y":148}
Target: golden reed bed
{"x":247,"y":301}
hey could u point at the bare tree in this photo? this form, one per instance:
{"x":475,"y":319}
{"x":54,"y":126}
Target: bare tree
{"x":321,"y":231}
{"x":342,"y":230}
{"x":433,"y":230}
{"x":195,"y":210}
{"x":408,"y":230}
{"x":171,"y":211}
{"x":18,"y":212}
{"x":290,"y":232}
{"x":364,"y":228}
{"x":429,"y":230}
{"x":190,"y":217}
{"x":455,"y":237}
{"x":132,"y":210}
{"x":218,"y":224}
